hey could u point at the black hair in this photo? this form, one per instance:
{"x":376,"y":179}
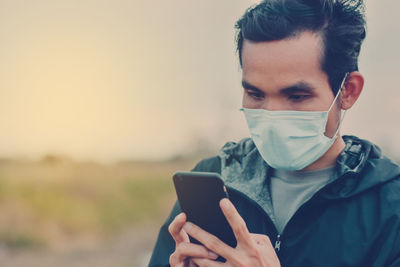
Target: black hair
{"x":341,"y":24}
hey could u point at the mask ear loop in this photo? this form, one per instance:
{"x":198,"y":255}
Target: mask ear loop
{"x":340,"y":90}
{"x":344,"y":113}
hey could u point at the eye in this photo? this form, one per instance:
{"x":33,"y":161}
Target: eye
{"x":298,"y":97}
{"x":257,"y":95}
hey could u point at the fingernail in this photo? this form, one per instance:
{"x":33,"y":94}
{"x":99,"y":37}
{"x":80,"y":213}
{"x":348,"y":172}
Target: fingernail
{"x":225,"y":203}
{"x":212,"y":255}
{"x":187,"y":226}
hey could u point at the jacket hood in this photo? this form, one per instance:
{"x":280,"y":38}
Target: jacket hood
{"x":361,"y":166}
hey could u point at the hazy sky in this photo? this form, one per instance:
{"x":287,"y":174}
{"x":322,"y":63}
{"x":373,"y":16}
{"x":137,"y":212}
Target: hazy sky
{"x":118,"y":79}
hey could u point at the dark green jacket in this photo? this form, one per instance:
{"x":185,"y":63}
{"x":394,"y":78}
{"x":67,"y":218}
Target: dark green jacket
{"x":353,"y":221}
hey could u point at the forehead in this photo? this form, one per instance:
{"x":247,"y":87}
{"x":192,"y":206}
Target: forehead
{"x":277,"y":64}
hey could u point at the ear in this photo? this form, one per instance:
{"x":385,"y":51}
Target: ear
{"x":352,"y":89}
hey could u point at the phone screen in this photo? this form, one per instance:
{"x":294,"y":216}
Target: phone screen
{"x":199,"y":194}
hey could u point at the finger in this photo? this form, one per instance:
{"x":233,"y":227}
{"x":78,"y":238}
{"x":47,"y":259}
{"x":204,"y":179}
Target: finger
{"x":175,"y":229}
{"x":205,"y":262}
{"x":185,"y":250}
{"x":264,"y":245}
{"x":236,"y":222}
{"x":191,"y":263}
{"x":262,"y":240}
{"x":210,"y":241}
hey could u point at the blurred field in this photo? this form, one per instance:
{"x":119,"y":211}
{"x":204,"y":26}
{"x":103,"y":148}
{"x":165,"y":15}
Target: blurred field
{"x":58,"y":212}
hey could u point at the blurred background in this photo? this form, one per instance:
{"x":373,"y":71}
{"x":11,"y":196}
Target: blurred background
{"x":101,"y":101}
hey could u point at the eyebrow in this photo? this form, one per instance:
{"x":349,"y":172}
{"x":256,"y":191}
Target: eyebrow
{"x":299,"y":87}
{"x":248,"y":85}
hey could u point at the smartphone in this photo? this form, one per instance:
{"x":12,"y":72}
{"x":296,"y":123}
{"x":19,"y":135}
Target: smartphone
{"x":198,"y":195}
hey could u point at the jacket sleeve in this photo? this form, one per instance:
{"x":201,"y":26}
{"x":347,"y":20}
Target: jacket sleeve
{"x":165,"y":244}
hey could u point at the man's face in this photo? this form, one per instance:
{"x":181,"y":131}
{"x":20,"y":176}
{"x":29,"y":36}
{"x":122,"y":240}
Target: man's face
{"x":287,"y":75}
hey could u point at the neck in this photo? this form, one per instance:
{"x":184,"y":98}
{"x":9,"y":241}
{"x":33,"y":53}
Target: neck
{"x":329,"y":158}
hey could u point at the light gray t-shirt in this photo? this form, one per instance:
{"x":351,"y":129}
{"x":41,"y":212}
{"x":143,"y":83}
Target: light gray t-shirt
{"x":291,"y":189}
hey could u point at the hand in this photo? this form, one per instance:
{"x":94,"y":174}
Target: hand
{"x":183,"y":248}
{"x":251,"y":249}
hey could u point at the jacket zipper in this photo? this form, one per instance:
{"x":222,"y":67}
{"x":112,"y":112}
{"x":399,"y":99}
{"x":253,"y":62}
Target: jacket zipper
{"x":278,"y":243}
{"x":278,"y":240}
{"x":278,"y":236}
{"x":309,"y":202}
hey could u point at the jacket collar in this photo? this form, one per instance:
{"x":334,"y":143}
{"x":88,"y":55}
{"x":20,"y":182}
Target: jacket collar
{"x":360,"y":166}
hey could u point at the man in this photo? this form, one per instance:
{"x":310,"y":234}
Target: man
{"x":300,"y":193}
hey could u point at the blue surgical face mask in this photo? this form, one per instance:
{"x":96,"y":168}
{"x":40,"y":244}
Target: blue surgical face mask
{"x":290,"y":140}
